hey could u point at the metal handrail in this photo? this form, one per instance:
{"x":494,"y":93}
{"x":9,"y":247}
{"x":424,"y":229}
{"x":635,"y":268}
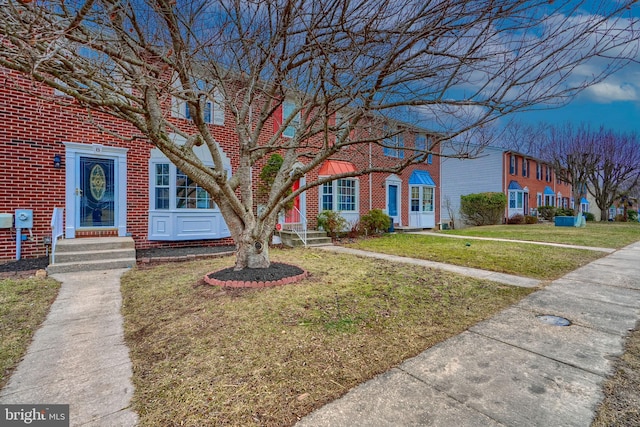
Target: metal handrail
{"x":298,"y":224}
{"x":57,"y":229}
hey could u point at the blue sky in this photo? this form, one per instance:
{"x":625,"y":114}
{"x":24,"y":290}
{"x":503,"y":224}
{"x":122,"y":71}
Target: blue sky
{"x":613,"y":103}
{"x":598,"y":106}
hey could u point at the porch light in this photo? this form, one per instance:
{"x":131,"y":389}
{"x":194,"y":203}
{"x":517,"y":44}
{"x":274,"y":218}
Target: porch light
{"x":57,"y":162}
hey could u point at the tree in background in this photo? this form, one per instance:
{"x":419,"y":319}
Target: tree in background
{"x":572,"y":152}
{"x":618,"y":171}
{"x":602,"y":162}
{"x":341,"y":67}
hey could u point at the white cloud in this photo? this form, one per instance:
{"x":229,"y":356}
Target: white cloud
{"x":611,"y":91}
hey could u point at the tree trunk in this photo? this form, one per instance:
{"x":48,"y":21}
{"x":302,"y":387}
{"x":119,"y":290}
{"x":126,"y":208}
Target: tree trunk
{"x":252,"y":253}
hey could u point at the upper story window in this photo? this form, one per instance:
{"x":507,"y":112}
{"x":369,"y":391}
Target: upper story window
{"x":420,"y":143}
{"x":421,"y":146}
{"x":525,"y":167}
{"x":513,"y":166}
{"x":394,"y":145}
{"x":213,"y":105}
{"x":548,"y":173}
{"x":538,"y":171}
{"x":288,"y":108}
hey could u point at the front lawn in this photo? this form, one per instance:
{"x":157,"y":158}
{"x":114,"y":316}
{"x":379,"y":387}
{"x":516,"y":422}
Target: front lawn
{"x":596,"y":234}
{"x":209,"y":356}
{"x":24,"y":304}
{"x":520,"y":259}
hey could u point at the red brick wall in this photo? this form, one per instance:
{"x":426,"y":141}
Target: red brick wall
{"x":534,"y":184}
{"x":33,"y":130}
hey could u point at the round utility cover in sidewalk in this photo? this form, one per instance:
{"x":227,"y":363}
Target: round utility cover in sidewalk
{"x":553,"y":320}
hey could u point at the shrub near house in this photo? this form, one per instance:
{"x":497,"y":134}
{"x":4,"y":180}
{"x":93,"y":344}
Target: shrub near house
{"x":483,"y":208}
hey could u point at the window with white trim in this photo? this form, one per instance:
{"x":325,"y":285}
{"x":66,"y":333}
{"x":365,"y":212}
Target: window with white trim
{"x":393,"y":145}
{"x":538,"y":171}
{"x":421,"y":198}
{"x":420,"y":143}
{"x":340,"y":195}
{"x":212,"y":111}
{"x":539,"y":199}
{"x":516,"y":199}
{"x":525,"y":167}
{"x":189,"y":195}
{"x":513,"y":166}
{"x":288,"y":107}
{"x":175,"y":190}
{"x":549,"y":200}
{"x":327,"y":196}
{"x":584,"y":207}
{"x":162,"y":188}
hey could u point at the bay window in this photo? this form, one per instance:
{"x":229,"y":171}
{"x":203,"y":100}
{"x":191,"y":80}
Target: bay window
{"x":340,"y":195}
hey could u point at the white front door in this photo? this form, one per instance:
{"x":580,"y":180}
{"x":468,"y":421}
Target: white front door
{"x":421,"y":211}
{"x":96,"y":188}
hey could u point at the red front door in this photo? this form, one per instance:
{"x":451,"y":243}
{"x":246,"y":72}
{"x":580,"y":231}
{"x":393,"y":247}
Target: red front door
{"x":293,"y":215}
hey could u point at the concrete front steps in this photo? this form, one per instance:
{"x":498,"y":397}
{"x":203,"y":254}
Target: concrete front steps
{"x":314,"y":238}
{"x":93,"y":253}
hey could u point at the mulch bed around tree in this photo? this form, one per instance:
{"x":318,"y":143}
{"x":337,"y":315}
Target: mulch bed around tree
{"x":276,"y":274}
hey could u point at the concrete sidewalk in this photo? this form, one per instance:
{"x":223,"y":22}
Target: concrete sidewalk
{"x":507,"y":279}
{"x":513,"y":369}
{"x":78,"y":356}
{"x":530,"y":242}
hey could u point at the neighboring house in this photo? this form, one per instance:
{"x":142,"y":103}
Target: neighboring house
{"x":61,"y":157}
{"x":526,"y":182}
{"x":617,"y":208}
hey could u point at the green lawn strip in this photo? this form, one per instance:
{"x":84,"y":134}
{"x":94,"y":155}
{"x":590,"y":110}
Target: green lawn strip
{"x":596,"y":234}
{"x":24,"y":304}
{"x":209,"y":356}
{"x":521,"y":259}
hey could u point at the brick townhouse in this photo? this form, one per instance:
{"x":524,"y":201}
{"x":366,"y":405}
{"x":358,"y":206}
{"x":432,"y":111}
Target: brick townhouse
{"x":527,"y":182}
{"x":58,"y":155}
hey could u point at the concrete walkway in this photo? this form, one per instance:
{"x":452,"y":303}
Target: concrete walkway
{"x":558,"y":245}
{"x":78,"y":356}
{"x":508,"y":279}
{"x":513,"y":369}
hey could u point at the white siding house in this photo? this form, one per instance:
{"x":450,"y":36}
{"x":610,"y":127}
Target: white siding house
{"x":460,"y":177}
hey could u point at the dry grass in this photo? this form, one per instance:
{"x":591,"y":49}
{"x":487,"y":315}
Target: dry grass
{"x":621,"y":405}
{"x":598,"y":234}
{"x":209,"y":356}
{"x":536,"y":261}
{"x":24,"y":304}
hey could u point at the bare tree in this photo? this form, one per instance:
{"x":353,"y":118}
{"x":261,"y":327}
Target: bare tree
{"x":455,"y":66}
{"x":572,"y":152}
{"x":618,"y":170}
{"x":599,"y":161}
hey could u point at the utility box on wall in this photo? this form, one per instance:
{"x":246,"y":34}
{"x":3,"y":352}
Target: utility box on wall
{"x":6,"y":220}
{"x":24,"y":218}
